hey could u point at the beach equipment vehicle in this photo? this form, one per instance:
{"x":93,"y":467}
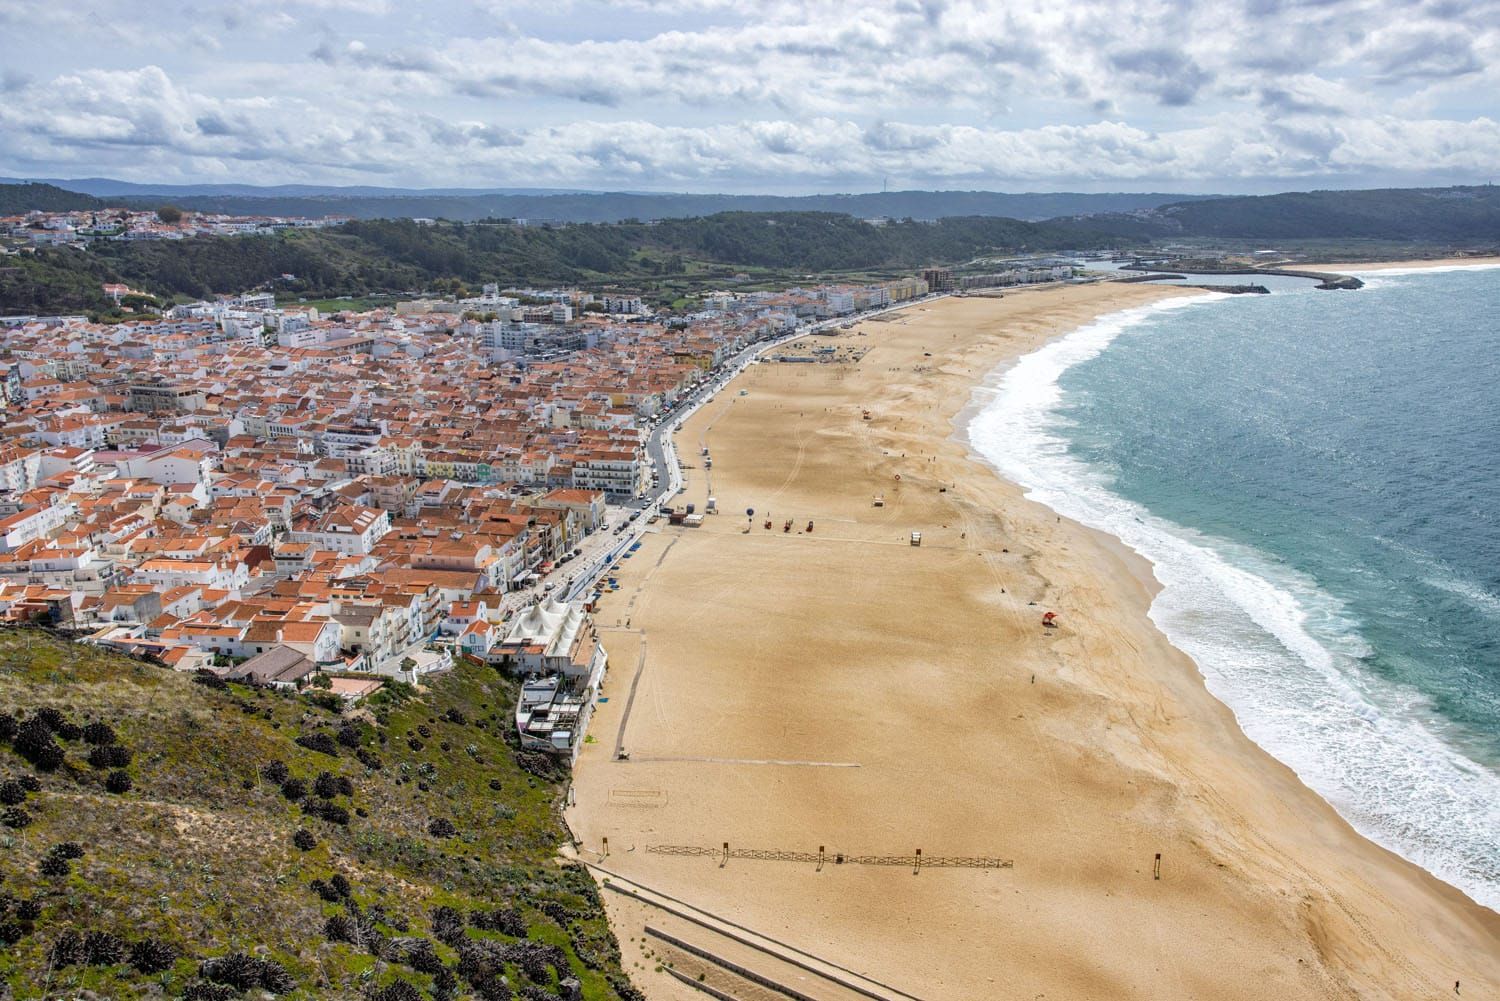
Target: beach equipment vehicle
{"x":916,"y":538}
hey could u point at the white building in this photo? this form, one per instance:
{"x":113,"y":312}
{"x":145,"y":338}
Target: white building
{"x":555,"y":646}
{"x":351,"y":529}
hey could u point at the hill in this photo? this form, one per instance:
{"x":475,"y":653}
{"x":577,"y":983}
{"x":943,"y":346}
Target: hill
{"x":169,"y":838}
{"x":620,"y":206}
{"x":107,"y":187}
{"x":18,"y":198}
{"x":567,"y":205}
{"x":1459,"y":214}
{"x":360,"y":258}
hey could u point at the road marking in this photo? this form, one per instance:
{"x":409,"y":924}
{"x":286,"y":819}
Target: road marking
{"x":749,"y":761}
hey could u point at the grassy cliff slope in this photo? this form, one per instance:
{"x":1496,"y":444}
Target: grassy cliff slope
{"x":165,"y":837}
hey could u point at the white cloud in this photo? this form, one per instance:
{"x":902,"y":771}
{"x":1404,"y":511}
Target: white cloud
{"x":707,"y":93}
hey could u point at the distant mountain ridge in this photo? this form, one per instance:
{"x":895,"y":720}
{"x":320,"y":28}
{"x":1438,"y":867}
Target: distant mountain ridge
{"x":564,"y":205}
{"x":107,"y":187}
{"x":1466,"y":214}
{"x":1442,"y":214}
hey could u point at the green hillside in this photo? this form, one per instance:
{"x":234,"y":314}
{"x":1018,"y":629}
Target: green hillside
{"x":1460,"y":214}
{"x":18,"y":198}
{"x":169,"y":838}
{"x":397,"y":256}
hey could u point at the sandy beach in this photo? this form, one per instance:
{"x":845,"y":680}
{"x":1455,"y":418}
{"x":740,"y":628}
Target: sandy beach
{"x":1437,"y":262}
{"x":840,"y":687}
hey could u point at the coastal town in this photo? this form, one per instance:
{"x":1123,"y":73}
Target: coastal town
{"x":79,"y":228}
{"x":289,"y":497}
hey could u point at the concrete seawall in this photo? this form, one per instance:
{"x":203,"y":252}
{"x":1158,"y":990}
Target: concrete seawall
{"x":1325,"y":279}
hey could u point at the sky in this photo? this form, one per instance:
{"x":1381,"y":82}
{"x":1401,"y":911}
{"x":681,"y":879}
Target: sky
{"x":776,"y":97}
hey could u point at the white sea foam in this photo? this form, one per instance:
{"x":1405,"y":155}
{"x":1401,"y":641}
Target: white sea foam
{"x":1282,"y":654}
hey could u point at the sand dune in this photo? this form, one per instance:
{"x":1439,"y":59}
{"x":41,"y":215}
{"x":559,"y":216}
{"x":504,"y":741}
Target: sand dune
{"x":842,"y":688}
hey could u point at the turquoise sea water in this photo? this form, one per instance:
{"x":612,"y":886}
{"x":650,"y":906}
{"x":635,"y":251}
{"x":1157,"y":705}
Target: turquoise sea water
{"x":1316,"y":478}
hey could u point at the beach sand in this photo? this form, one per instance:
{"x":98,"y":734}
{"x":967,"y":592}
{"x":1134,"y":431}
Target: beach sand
{"x":843,"y":688}
{"x":1437,"y":262}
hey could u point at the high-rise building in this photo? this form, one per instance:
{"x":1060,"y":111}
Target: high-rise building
{"x":938,"y":279}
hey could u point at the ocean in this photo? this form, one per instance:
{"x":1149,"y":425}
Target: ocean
{"x":1316,"y":478}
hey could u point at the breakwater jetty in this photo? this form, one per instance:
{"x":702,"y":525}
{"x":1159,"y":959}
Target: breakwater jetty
{"x":1325,"y":279}
{"x":1162,"y":276}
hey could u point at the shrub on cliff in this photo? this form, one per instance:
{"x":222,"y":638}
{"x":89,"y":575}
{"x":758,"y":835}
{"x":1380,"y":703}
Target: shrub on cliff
{"x":369,"y":760}
{"x":243,"y":972}
{"x":99,"y":733}
{"x":447,"y":926}
{"x":35,"y":742}
{"x":102,"y":948}
{"x":505,"y":920}
{"x":324,"y":810}
{"x":320,"y":742}
{"x":110,"y":756}
{"x":396,"y":990}
{"x":67,"y":950}
{"x":152,"y":955}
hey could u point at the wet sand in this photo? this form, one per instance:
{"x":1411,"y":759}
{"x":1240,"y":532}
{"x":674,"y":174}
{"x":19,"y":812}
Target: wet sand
{"x":843,"y":688}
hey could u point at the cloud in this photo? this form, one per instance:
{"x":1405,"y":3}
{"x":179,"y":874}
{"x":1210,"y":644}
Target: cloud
{"x":703,"y":93}
{"x":1424,"y":55}
{"x":1171,"y":75}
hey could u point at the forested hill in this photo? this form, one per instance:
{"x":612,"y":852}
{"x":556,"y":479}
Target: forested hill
{"x":400,"y":255}
{"x":16,"y":199}
{"x":1459,"y":214}
{"x":667,"y":257}
{"x":171,"y":836}
{"x":612,"y":206}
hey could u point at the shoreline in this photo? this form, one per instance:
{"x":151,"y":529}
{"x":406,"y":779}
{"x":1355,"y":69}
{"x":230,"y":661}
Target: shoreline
{"x":1154,"y":540}
{"x":1434,"y":264}
{"x":1266,"y":858}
